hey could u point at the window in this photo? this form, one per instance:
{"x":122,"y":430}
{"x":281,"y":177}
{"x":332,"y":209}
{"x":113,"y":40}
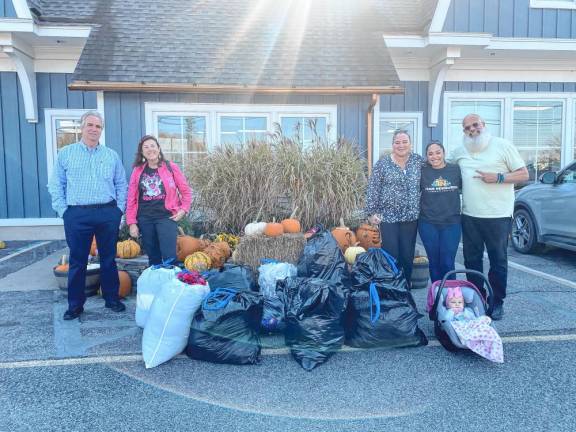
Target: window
{"x":537,"y":134}
{"x":553,"y":4}
{"x":186,"y":131}
{"x":62,"y":128}
{"x":569,"y":175}
{"x":305,"y":129}
{"x":242,"y":129}
{"x":389,"y":123}
{"x":536,"y":123}
{"x":490,"y":111}
{"x":182,"y":137}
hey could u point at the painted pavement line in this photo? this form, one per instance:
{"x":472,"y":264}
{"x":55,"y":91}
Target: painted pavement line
{"x":538,"y":273}
{"x":24,"y":250}
{"x":127,"y":358}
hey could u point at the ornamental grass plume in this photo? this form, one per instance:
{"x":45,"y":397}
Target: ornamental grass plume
{"x":325,"y":179}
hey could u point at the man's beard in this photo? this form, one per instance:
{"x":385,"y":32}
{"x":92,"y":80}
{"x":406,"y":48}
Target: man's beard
{"x":478,"y":143}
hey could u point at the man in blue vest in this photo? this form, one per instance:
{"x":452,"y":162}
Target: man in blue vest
{"x":88,"y":188}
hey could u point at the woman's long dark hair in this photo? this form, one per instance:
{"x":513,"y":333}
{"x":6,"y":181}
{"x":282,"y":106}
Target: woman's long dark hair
{"x":139,"y":158}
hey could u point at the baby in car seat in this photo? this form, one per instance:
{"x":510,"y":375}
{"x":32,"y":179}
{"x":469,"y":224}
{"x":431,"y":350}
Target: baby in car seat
{"x":457,"y":310}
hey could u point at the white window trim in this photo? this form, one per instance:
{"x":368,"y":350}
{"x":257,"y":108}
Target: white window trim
{"x":416,"y":117}
{"x":219,"y":116}
{"x":569,"y":106}
{"x":558,"y":4}
{"x":50,"y":117}
{"x":214,"y":111}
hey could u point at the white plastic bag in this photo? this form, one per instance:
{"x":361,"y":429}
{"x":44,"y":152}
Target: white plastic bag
{"x":271,"y":273}
{"x":168,"y":325}
{"x":148,"y":285}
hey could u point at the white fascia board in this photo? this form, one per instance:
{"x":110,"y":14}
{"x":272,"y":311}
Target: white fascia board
{"x":16,"y":25}
{"x":405,"y":41}
{"x":451,"y":39}
{"x":539,"y":4}
{"x":62,"y":31}
{"x":532,"y":44}
{"x":439,"y":18}
{"x":488,"y":75}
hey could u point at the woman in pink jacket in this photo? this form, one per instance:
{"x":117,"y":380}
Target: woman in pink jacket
{"x":158,"y":197}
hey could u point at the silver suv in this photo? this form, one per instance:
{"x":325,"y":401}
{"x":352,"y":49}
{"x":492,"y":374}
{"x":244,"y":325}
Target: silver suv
{"x":545,"y":212}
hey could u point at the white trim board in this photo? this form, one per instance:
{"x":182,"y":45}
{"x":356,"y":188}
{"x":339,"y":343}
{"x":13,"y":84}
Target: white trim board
{"x":558,"y":4}
{"x":440,"y":14}
{"x":30,"y":222}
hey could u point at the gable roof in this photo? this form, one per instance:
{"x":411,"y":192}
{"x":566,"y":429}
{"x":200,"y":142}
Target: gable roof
{"x":254,"y":44}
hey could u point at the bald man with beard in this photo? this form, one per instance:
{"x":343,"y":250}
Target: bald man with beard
{"x":490,"y":167}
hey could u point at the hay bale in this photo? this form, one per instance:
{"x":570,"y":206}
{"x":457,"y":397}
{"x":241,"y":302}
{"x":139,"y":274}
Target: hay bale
{"x":284,"y":248}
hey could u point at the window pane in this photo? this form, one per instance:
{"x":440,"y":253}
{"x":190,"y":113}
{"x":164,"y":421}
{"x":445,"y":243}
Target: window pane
{"x":387,"y":128}
{"x":239,"y":130}
{"x":170,"y":133}
{"x":306,"y":129}
{"x":67,"y":132}
{"x":538,"y":135}
{"x":490,"y":111}
{"x":195,"y":134}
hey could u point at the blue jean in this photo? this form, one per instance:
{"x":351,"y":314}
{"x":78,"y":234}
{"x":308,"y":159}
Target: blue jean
{"x":441,"y":244}
{"x":159,"y":239}
{"x":80,"y":225}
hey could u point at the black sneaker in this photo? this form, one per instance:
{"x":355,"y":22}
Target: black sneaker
{"x":498,"y":312}
{"x":116,"y":306}
{"x":71,"y":314}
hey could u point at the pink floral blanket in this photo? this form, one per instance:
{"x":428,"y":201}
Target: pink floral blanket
{"x":478,"y":335}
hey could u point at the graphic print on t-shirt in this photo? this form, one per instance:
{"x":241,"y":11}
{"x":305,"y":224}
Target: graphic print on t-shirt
{"x":441,"y":184}
{"x":151,"y":185}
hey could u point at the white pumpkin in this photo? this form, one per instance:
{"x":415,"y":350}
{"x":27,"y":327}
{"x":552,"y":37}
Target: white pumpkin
{"x":254,"y":228}
{"x":352,"y":252}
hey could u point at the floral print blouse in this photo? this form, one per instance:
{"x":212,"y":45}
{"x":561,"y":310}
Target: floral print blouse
{"x":395,"y":193}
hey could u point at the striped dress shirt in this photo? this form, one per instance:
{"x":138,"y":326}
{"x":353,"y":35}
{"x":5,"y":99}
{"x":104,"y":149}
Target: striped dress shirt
{"x":84,"y":176}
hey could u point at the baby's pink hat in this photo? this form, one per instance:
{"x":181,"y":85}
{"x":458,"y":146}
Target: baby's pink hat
{"x":452,"y":293}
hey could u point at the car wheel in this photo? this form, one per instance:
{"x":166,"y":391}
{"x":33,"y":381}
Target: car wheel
{"x":524,"y":238}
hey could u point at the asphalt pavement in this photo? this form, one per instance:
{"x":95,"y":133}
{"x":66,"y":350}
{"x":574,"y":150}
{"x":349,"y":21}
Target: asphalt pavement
{"x":87,"y":375}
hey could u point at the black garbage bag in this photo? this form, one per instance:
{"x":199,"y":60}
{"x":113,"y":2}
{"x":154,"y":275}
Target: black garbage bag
{"x":234,"y":276}
{"x":225,"y":329}
{"x":269,"y":273}
{"x":314,"y":313}
{"x":322,"y":258}
{"x":381,"y":310}
{"x":273,"y":315}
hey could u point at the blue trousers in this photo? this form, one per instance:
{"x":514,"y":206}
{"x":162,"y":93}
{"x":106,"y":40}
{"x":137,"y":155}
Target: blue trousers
{"x":492,"y":234}
{"x":80,"y":225}
{"x":441,"y":244}
{"x":159,"y":239}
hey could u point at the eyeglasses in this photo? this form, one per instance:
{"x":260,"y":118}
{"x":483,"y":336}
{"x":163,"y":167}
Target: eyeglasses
{"x":473,"y":125}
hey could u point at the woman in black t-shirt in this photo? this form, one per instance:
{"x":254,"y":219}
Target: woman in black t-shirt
{"x":439,"y":223}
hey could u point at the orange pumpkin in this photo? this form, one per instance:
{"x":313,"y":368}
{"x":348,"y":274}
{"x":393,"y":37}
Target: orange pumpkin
{"x":291,"y":226}
{"x":273,"y":229}
{"x":125,"y":284}
{"x":93,"y":247}
{"x":224,"y":247}
{"x":344,"y":236}
{"x":187,"y":245}
{"x":368,"y":236}
{"x":127,"y":249}
{"x":217,"y":256}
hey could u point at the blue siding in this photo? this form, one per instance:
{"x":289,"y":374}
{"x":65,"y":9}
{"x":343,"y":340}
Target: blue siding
{"x":7,"y":9}
{"x":510,"y":18}
{"x":125,"y":122}
{"x":23,"y":170}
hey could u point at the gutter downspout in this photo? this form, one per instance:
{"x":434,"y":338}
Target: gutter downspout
{"x":370,"y":129}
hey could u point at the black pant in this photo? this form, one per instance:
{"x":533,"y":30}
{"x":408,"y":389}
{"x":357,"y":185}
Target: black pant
{"x":80,"y":225}
{"x":159,"y":239}
{"x":491,"y":233}
{"x":399,"y":240}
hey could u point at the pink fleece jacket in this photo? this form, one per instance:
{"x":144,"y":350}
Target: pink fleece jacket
{"x":178,"y":193}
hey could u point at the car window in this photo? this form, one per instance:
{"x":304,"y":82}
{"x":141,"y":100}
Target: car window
{"x":569,"y":175}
